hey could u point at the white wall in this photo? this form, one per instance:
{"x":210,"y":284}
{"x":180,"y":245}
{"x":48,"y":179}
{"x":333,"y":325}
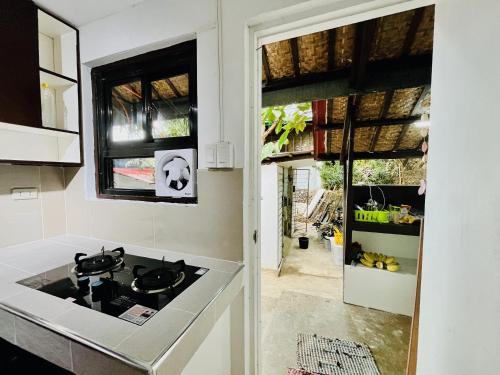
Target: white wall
{"x":460,"y":306}
{"x":34,"y":219}
{"x":214,"y":226}
{"x":269,"y":217}
{"x":149,"y":26}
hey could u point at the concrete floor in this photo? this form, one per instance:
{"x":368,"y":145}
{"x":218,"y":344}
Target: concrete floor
{"x":307,"y":298}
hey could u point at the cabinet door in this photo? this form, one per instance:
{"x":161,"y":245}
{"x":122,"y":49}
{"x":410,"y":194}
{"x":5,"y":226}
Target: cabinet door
{"x":19,"y":80}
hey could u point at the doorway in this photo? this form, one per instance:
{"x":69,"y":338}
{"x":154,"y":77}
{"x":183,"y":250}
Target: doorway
{"x":363,"y":331}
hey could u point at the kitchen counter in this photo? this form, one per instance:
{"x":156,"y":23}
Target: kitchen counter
{"x":86,"y":341}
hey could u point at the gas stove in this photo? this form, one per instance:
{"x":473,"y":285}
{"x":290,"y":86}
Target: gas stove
{"x":128,"y":287}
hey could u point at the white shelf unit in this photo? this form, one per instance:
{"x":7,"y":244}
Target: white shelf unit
{"x":393,"y":292}
{"x":58,"y":59}
{"x":25,"y":144}
{"x":57,"y":46}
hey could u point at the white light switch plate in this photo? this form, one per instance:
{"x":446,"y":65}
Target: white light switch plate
{"x":19,"y":194}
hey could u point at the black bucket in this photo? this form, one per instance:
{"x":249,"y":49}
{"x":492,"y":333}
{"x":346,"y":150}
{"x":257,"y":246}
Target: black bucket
{"x":303,"y":242}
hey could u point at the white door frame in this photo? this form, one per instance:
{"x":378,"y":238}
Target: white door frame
{"x":304,"y":18}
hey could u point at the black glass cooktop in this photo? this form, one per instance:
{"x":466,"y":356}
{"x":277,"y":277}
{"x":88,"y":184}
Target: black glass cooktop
{"x":134,"y":289}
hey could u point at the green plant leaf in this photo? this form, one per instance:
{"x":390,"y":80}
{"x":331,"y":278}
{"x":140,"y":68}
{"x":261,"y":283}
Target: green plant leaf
{"x":268,"y":149}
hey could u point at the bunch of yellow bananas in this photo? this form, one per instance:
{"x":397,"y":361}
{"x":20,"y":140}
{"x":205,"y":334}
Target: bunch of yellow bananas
{"x":380,"y":261}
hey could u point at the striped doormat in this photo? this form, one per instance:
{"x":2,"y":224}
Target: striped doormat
{"x":326,"y":356}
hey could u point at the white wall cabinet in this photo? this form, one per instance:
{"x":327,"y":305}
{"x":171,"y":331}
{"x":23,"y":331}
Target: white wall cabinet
{"x":42,"y":53}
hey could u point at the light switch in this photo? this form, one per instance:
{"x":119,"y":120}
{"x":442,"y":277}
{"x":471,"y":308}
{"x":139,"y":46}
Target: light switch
{"x":19,"y":194}
{"x":211,"y":155}
{"x":225,"y":155}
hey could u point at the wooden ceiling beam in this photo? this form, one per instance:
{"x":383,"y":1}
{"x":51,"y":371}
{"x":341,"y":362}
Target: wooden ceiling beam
{"x":332,"y":36}
{"x":363,"y":42}
{"x":401,"y":136}
{"x":289,"y":156}
{"x":348,"y":120}
{"x":398,"y":73}
{"x":417,"y":108}
{"x":375,"y":138}
{"x":265,"y":62}
{"x":373,"y":123}
{"x":294,"y":46}
{"x":412,"y":31}
{"x":401,"y":154}
{"x":173,"y":88}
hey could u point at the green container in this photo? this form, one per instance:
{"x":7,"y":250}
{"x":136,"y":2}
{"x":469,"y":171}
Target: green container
{"x":372,"y":216}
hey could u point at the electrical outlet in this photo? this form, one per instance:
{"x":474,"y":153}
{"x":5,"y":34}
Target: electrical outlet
{"x":19,"y":194}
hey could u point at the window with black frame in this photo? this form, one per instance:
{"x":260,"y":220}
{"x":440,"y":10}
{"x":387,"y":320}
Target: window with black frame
{"x":143,"y":104}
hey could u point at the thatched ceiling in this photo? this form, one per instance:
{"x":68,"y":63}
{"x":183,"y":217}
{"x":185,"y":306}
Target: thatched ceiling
{"x":391,"y":40}
{"x":382,"y":117}
{"x":164,"y":89}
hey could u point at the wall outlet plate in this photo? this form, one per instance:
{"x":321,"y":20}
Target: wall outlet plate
{"x":19,"y":194}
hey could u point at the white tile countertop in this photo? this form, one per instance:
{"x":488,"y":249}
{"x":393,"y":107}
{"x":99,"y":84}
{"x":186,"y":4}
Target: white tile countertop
{"x":86,"y":332}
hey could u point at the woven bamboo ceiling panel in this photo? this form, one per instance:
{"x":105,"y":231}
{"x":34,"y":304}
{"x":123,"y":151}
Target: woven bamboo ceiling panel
{"x":370,"y":106}
{"x":334,"y":141}
{"x":313,"y":52}
{"x":164,"y":89}
{"x":403,"y":102}
{"x":363,"y":138}
{"x":279,"y":55}
{"x":336,"y":109}
{"x":130,"y":92}
{"x":391,"y":137}
{"x":387,"y":138}
{"x":391,"y":34}
{"x":412,"y":139}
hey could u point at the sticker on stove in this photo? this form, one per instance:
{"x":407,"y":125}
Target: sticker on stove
{"x":201,"y":271}
{"x":138,"y":314}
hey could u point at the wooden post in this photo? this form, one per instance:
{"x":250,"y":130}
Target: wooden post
{"x":348,"y":198}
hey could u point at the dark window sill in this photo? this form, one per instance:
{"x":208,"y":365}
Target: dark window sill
{"x":147,"y":198}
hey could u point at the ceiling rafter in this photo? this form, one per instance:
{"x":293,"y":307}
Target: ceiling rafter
{"x":332,"y":36}
{"x":363,"y":42}
{"x":406,"y":127}
{"x":173,"y":88}
{"x":294,"y":46}
{"x":372,"y":123}
{"x":401,"y":154}
{"x":412,"y":31}
{"x":418,"y":104}
{"x":412,"y":71}
{"x":348,"y":121}
{"x":267,"y":69}
{"x":401,"y":136}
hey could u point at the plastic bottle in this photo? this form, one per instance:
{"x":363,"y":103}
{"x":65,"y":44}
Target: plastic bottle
{"x":48,"y":106}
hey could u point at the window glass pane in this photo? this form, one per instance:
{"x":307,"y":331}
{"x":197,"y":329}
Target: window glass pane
{"x":170,"y":107}
{"x":127,"y":110}
{"x":138,"y":173}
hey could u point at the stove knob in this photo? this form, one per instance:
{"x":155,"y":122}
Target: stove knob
{"x":83,"y":284}
{"x":97,"y":290}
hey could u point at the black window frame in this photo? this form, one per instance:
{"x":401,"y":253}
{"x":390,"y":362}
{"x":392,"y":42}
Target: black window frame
{"x":168,"y":62}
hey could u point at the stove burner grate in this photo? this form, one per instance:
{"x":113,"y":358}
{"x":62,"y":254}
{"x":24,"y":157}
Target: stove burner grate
{"x":100,"y":263}
{"x":160,"y":279}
